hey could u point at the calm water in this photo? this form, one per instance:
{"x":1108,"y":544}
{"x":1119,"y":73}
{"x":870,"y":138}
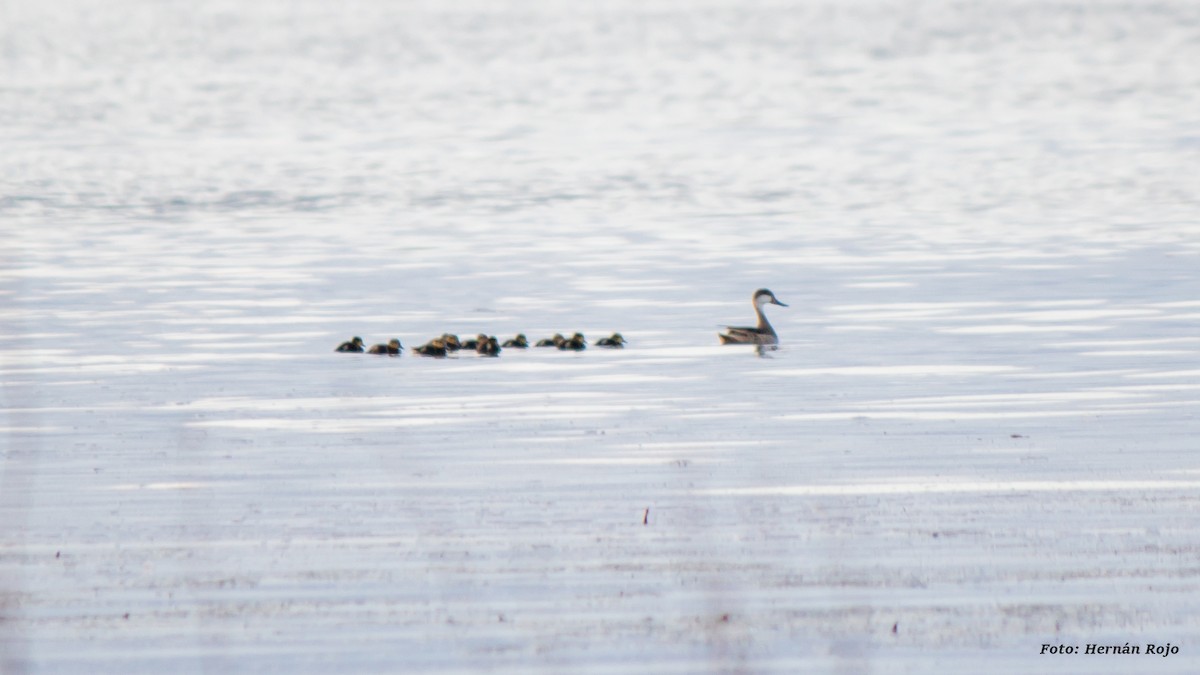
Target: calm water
{"x":977,"y":436}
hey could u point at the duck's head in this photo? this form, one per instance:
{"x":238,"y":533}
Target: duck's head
{"x":356,"y":341}
{"x":394,"y":343}
{"x":520,"y":338}
{"x":450,"y":340}
{"x":578,"y":337}
{"x":481,"y":338}
{"x":617,"y":338}
{"x":764,"y":297}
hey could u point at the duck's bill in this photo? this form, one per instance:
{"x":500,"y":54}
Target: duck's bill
{"x":776,"y":302}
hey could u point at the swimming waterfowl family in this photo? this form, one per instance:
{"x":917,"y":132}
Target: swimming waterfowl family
{"x":519,"y":342}
{"x":435,"y":347}
{"x":392,"y":348}
{"x":577,"y":343}
{"x":614,"y":341}
{"x":551,"y":341}
{"x":355,"y":344}
{"x":763,"y":333}
{"x":488,"y":347}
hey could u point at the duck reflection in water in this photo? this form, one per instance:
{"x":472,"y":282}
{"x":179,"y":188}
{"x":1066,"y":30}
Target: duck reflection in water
{"x":764,"y":351}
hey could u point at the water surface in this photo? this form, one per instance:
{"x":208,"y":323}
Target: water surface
{"x":976,"y":437}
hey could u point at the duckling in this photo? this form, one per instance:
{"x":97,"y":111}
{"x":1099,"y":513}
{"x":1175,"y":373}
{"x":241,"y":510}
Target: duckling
{"x":474,"y":343}
{"x":763,"y":333}
{"x":577,"y":343}
{"x":613,"y":342}
{"x":353,"y":345}
{"x":435,"y":347}
{"x":519,"y":342}
{"x":488,"y":347}
{"x":552,"y":341}
{"x":392,"y":348}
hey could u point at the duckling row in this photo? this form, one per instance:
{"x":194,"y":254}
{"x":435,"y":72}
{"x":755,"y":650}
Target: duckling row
{"x":760,"y":334}
{"x":481,"y":344}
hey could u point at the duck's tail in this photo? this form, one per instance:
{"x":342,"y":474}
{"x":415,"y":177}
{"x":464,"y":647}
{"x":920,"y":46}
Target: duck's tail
{"x":726,"y":339}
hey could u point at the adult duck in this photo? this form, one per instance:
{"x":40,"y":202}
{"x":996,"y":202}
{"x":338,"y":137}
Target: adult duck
{"x":761,"y":334}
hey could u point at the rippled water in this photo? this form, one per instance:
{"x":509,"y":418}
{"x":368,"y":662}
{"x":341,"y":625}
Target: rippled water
{"x":976,"y":437}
